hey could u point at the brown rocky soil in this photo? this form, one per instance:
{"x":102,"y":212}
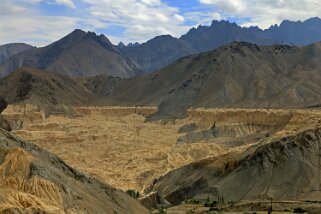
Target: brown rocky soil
{"x":117,"y":145}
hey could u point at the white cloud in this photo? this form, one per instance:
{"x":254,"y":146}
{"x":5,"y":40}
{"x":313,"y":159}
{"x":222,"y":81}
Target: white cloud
{"x":203,"y":18}
{"x":264,"y":13}
{"x":21,"y":22}
{"x":231,"y":6}
{"x":151,"y":2}
{"x":141,"y":19}
{"x":138,"y":20}
{"x":68,"y":3}
{"x":179,"y":18}
{"x":40,"y":30}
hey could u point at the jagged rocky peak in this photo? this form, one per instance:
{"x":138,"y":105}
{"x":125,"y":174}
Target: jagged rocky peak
{"x":76,"y":34}
{"x":133,"y":44}
{"x":121,"y":45}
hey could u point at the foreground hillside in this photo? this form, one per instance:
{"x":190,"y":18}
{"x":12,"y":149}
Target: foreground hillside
{"x":36,"y":181}
{"x":208,"y":148}
{"x":283,"y":164}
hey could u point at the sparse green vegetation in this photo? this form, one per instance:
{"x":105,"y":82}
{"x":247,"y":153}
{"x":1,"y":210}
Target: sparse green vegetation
{"x":213,"y":209}
{"x":193,"y":201}
{"x":133,"y":193}
{"x":210,"y":204}
{"x":299,"y":210}
{"x":231,"y":202}
{"x":220,"y":199}
{"x":312,"y":201}
{"x":161,"y":211}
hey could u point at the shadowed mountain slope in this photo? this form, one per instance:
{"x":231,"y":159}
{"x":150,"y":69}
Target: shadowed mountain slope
{"x":50,"y":91}
{"x":158,"y":52}
{"x":287,"y":168}
{"x":236,"y":75}
{"x":8,"y":50}
{"x":77,"y":54}
{"x":295,"y":33}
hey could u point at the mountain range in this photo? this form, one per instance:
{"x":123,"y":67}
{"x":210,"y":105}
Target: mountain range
{"x":163,"y":50}
{"x":239,"y":74}
{"x":88,"y":54}
{"x":77,"y":54}
{"x":263,"y":133}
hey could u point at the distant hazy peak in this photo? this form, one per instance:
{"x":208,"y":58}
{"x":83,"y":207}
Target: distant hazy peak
{"x":133,"y":44}
{"x":16,"y":44}
{"x":222,"y":22}
{"x":162,"y":38}
{"x":9,"y":50}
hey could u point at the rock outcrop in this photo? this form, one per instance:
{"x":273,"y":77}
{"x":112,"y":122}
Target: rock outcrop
{"x":36,"y":181}
{"x":286,"y":168}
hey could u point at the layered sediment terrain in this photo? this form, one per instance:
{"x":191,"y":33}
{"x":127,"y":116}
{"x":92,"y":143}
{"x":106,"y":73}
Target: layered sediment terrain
{"x":194,"y":156}
{"x":280,"y":162}
{"x":112,"y":143}
{"x":36,"y":181}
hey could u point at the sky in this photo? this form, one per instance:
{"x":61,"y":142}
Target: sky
{"x":41,"y":22}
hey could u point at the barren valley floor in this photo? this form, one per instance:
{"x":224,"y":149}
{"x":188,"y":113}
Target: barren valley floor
{"x":116,"y":145}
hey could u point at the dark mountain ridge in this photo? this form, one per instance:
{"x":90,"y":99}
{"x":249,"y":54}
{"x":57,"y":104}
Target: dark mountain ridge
{"x":239,"y":74}
{"x":77,"y":54}
{"x":50,"y":91}
{"x":157,"y":52}
{"x":219,"y":33}
{"x":236,"y":75}
{"x":88,"y":54}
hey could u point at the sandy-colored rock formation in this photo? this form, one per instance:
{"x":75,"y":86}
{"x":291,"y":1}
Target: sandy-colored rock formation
{"x":118,"y":145}
{"x":33,"y":180}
